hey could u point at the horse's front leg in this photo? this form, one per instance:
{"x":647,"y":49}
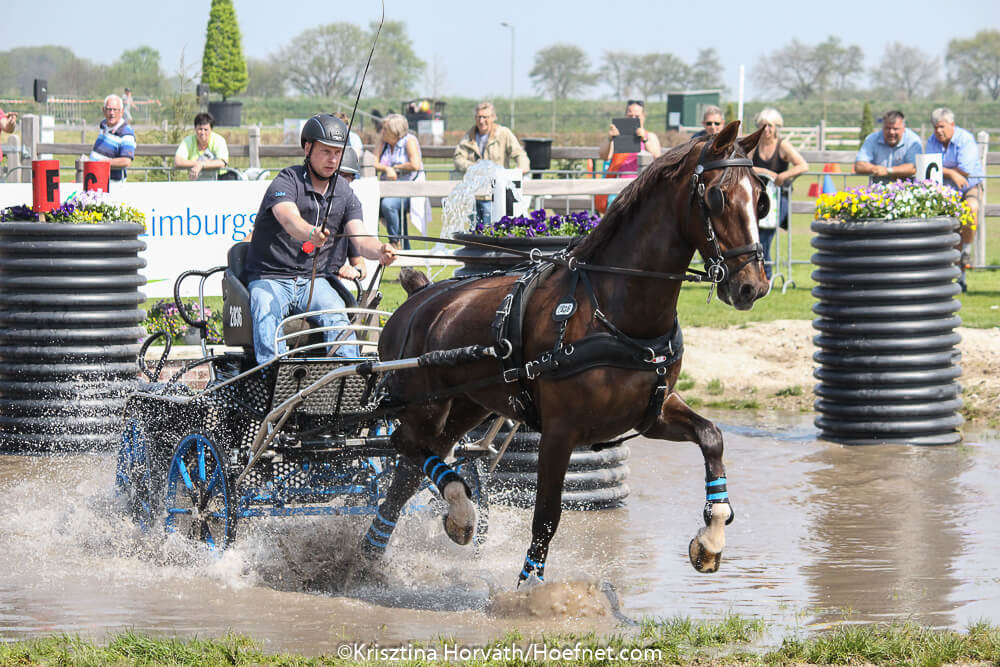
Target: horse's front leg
{"x":406,"y":480}
{"x":679,"y":422}
{"x":553,"y":460}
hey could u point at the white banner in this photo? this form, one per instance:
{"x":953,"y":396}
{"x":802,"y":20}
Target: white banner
{"x":193,"y":225}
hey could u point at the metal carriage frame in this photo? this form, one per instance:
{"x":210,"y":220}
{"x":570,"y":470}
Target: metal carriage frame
{"x":301,"y":435}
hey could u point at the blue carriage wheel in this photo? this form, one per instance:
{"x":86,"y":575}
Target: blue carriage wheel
{"x":133,"y":477}
{"x":199,"y":502}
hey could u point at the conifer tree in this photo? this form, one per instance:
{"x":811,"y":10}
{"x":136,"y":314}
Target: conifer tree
{"x":867,"y":122}
{"x":223,"y":66}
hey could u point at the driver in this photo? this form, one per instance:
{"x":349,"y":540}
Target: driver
{"x":279,"y":269}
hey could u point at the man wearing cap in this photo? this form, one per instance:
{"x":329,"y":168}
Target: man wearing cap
{"x":292,"y":230}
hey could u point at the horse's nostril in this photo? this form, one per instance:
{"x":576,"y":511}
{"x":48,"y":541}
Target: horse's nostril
{"x":746,"y":292}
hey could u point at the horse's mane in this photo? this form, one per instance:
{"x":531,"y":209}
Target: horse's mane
{"x":664,"y":168}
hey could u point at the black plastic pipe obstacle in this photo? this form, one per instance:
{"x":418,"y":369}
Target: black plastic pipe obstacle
{"x":69,"y":333}
{"x":886,"y":348}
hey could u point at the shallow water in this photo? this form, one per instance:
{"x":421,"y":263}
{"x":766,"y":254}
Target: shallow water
{"x":823,"y":534}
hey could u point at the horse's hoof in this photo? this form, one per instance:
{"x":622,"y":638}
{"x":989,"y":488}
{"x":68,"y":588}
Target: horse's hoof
{"x":460,"y":520}
{"x":703,"y":560}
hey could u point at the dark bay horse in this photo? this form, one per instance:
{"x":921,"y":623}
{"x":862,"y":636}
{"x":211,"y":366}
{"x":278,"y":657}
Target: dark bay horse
{"x":624,"y":279}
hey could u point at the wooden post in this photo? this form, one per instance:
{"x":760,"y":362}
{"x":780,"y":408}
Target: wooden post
{"x":79,"y":170}
{"x":30,"y":128}
{"x":368,"y":164}
{"x":822,"y":134}
{"x":979,"y":245}
{"x":253,"y":145}
{"x":12,"y":151}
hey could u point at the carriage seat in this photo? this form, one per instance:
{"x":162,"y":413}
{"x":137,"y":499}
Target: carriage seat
{"x":237,"y":322}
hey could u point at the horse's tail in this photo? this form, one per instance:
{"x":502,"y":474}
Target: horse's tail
{"x":412,"y":280}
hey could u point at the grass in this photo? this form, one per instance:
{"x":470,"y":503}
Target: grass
{"x":679,"y":641}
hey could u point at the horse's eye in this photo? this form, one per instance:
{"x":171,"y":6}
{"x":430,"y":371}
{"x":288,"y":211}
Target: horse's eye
{"x":763,"y":205}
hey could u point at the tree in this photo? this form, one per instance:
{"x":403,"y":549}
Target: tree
{"x":223,"y":66}
{"x":265,"y":78}
{"x":804,"y":72}
{"x":867,"y":123}
{"x":395,"y":68}
{"x":325,"y":61}
{"x":138,"y":69}
{"x":706,"y":72}
{"x":614,"y":72}
{"x":905,"y":70}
{"x":975,"y":63}
{"x":435,"y":78}
{"x":561,"y":70}
{"x":645,"y":75}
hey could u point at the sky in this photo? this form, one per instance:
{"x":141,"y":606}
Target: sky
{"x":468,"y":42}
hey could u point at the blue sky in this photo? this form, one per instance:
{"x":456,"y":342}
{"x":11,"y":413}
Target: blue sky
{"x":474,"y":50}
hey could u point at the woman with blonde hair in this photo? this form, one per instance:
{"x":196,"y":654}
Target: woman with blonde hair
{"x":776,"y":160}
{"x":399,"y":159}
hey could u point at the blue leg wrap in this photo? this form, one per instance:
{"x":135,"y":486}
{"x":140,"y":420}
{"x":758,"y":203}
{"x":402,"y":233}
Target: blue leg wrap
{"x":716,"y":493}
{"x":377,"y":537}
{"x":441,"y":474}
{"x":531,"y":566}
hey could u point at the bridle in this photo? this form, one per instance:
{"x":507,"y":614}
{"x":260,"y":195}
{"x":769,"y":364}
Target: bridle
{"x":712,"y":203}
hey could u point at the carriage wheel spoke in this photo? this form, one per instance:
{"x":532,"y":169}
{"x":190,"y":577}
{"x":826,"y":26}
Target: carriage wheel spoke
{"x":201,"y":461}
{"x":185,"y":475}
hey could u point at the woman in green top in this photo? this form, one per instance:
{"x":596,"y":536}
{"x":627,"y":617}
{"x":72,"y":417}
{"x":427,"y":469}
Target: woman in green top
{"x":203,"y":153}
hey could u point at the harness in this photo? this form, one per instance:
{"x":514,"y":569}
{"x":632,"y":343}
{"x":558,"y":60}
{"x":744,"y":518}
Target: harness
{"x":611,"y":347}
{"x":599,"y":349}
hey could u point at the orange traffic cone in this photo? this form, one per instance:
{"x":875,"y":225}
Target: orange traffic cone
{"x":831,"y":168}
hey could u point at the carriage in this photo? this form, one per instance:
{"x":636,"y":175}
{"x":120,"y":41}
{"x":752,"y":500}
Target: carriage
{"x":584,"y":346}
{"x":305,"y":434}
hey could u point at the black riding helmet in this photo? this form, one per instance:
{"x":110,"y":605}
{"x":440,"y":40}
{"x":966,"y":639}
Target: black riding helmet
{"x":349,"y":163}
{"x":326,"y":129}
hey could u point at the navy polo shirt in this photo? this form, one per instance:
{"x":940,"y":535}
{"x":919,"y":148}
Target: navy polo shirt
{"x":274,"y":253}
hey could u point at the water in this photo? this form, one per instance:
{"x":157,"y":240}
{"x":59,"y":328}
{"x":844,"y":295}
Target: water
{"x":459,"y":205}
{"x":824,"y":534}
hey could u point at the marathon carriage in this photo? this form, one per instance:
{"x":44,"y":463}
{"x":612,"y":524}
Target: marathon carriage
{"x":305,"y":434}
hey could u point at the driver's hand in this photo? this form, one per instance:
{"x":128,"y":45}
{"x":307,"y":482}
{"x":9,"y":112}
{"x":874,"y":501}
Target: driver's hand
{"x":387,"y":254}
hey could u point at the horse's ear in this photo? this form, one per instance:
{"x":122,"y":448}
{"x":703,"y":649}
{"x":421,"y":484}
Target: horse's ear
{"x":749,"y":143}
{"x":724,"y":140}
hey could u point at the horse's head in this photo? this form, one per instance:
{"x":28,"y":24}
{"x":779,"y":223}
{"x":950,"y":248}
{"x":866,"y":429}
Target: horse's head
{"x":725,"y":201}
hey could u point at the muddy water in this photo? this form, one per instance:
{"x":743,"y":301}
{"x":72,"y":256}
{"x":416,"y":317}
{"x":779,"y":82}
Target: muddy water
{"x":823,"y":534}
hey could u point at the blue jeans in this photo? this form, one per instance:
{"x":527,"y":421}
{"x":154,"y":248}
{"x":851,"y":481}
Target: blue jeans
{"x":766,"y":238}
{"x":273,"y":299}
{"x":391,"y":209}
{"x":484,"y":210}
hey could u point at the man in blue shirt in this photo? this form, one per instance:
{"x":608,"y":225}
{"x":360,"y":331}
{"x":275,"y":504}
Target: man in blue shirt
{"x":891,"y":153}
{"x":116,"y":141}
{"x":960,"y":167}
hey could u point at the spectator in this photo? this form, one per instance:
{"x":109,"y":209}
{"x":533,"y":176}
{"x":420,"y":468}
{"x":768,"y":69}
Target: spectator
{"x":278,"y":266}
{"x":203,"y":153}
{"x":711,"y":121}
{"x":890,"y":153}
{"x":648,"y":141}
{"x":353,"y":139}
{"x":127,"y":106}
{"x":116,"y":141}
{"x":776,"y":160}
{"x":960,"y":168}
{"x":399,"y":159}
{"x":8,"y":121}
{"x":625,"y":165}
{"x":488,"y":140}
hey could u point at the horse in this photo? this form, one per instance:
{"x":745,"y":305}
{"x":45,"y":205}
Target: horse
{"x":611,"y":305}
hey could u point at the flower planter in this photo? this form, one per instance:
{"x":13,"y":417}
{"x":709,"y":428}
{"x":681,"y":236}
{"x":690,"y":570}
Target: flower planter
{"x":477,"y":260}
{"x":887,"y":313}
{"x":69,"y":332}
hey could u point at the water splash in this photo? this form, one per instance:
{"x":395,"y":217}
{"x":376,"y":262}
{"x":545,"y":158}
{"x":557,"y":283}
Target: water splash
{"x":458,"y":206}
